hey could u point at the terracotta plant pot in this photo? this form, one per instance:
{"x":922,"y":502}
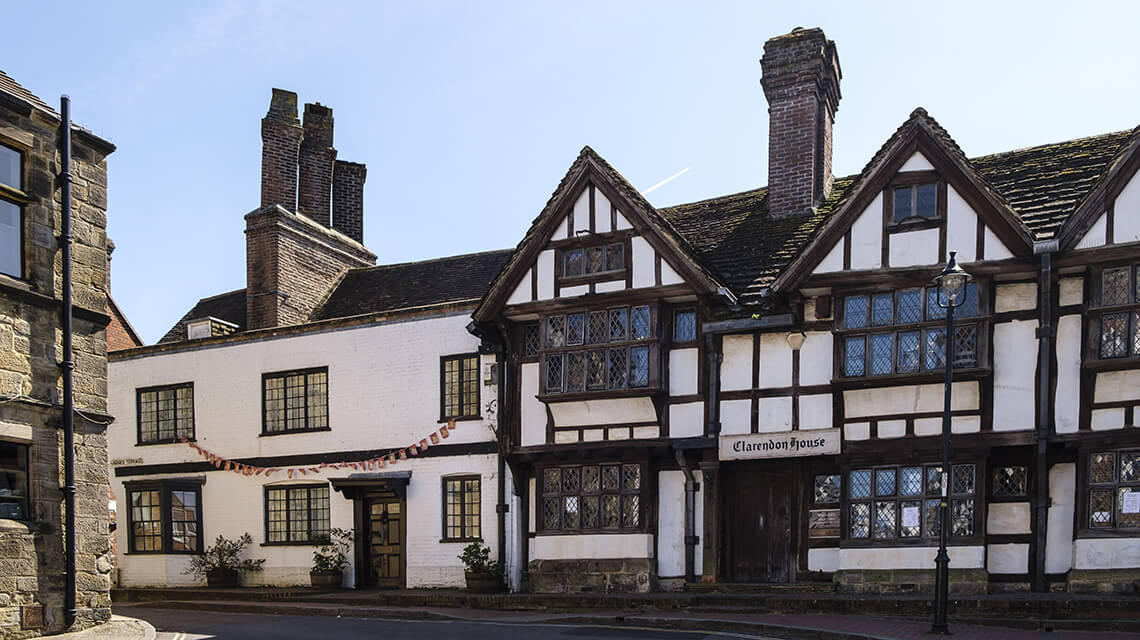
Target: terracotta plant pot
{"x":222,"y":578}
{"x":325,"y":578}
{"x":483,"y":582}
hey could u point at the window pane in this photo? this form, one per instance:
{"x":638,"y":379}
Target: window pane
{"x":277,"y":516}
{"x":11,"y":250}
{"x":1100,"y":508}
{"x":860,"y":520}
{"x":902,"y":197}
{"x":826,"y":489}
{"x":572,"y":262}
{"x":610,"y":513}
{"x":935,"y":347}
{"x":962,"y":517}
{"x":1114,"y":286}
{"x":594,"y":259}
{"x":598,"y":330}
{"x":556,"y":331}
{"x":1009,"y":481}
{"x":854,"y":362}
{"x":966,"y":346}
{"x":610,"y":477}
{"x":1125,"y":519}
{"x":1114,"y":335}
{"x":969,"y":307}
{"x":882,"y":309}
{"x":631,"y":477}
{"x":570,"y":512}
{"x":615,"y":257}
{"x":590,"y":519}
{"x":685,"y":326}
{"x":885,"y":482}
{"x":1136,"y":333}
{"x":551,"y":480}
{"x":551,"y":510}
{"x":618,"y":370}
{"x":1129,"y":467}
{"x":882,"y":348}
{"x":962,"y":479}
{"x":317,"y":400}
{"x":630,"y":511}
{"x":884,"y":519}
{"x":910,"y":306}
{"x":910,"y":518}
{"x":639,"y":323}
{"x":639,"y":366}
{"x":908,"y":352}
{"x":530,"y":340}
{"x":595,"y":370}
{"x":859,"y":483}
{"x":855,"y":312}
{"x":934,"y":481}
{"x":10,"y":168}
{"x":554,"y":372}
{"x":925,"y":200}
{"x":575,"y":328}
{"x":571,"y":479}
{"x":469,"y":397}
{"x":932,"y":519}
{"x":933,"y":310}
{"x":619,"y":325}
{"x":576,"y":371}
{"x":591,"y":479}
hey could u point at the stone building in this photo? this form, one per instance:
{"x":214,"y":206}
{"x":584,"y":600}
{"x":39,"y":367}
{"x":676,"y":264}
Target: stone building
{"x":31,"y":458}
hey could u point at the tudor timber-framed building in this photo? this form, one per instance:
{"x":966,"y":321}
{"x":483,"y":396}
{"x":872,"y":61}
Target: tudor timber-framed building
{"x":748,"y":388}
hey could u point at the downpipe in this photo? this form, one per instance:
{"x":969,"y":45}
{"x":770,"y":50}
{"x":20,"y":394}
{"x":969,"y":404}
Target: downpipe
{"x":68,"y":365}
{"x":691,"y":539}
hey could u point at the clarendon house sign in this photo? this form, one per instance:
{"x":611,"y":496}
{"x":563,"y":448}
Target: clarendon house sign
{"x":781,"y":444}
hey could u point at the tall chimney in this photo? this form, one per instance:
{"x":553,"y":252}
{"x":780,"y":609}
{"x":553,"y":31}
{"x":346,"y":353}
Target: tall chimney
{"x":801,"y":82}
{"x":348,"y":199}
{"x":280,"y":143}
{"x":316,"y":163}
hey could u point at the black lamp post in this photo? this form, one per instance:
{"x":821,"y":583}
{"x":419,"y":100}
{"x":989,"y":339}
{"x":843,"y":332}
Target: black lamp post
{"x":951,"y":294}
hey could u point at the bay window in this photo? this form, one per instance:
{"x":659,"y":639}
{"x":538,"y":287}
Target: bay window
{"x":600,"y":350}
{"x":1118,"y":306}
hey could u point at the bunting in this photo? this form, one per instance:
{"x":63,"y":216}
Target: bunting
{"x":379,"y":462}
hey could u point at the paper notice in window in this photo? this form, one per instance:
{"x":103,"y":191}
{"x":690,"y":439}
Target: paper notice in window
{"x":1131,"y":502}
{"x":910,"y":516}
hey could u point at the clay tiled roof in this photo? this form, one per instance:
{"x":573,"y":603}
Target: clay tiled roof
{"x":227,"y":306}
{"x":394,"y":287}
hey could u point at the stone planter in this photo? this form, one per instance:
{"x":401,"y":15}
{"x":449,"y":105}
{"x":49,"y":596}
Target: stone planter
{"x":483,"y":582}
{"x":222,"y":578}
{"x":325,"y":578}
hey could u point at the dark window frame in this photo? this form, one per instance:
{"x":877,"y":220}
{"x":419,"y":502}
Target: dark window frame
{"x":284,"y":375}
{"x":1087,"y":487}
{"x":311,"y":538}
{"x":696,"y":327}
{"x":980,"y":322}
{"x":18,"y":197}
{"x":562,"y":352}
{"x":139,"y":441}
{"x":598,"y":241}
{"x":464,"y":530}
{"x":924,"y":537}
{"x":1098,"y":311}
{"x":641,"y":492}
{"x":461,"y":401}
{"x":164,"y":488}
{"x":25,"y":503}
{"x":913,"y":180}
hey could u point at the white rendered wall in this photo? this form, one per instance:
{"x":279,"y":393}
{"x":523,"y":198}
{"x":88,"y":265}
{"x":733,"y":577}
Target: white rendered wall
{"x":1067,"y":398}
{"x":735,"y":417}
{"x":815,"y":412}
{"x":867,"y":237}
{"x":908,"y":399}
{"x":774,"y":414}
{"x":670,"y":524}
{"x":914,"y":248}
{"x":910,"y":558}
{"x":823,"y":559}
{"x":736,"y":367}
{"x":995,"y":249}
{"x":1059,"y":535}
{"x":593,"y":546}
{"x":1071,"y":291}
{"x":1096,"y":233}
{"x":775,"y":361}
{"x":1008,"y":518}
{"x":833,"y":261}
{"x":1016,"y":297}
{"x":1015,"y":367}
{"x":643,"y":261}
{"x":669,"y":275}
{"x":601,"y":212}
{"x":961,"y":227}
{"x":815,"y":358}
{"x":580,"y":413}
{"x":687,"y":420}
{"x":1007,"y":558}
{"x":533,"y":412}
{"x":582,"y":212}
{"x":522,"y":292}
{"x":683,"y":364}
{"x":1106,"y":553}
{"x":1126,"y":213}
{"x":916,"y":162}
{"x":545,"y":268}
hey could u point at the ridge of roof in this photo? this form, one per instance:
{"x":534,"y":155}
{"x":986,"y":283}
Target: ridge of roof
{"x":397,"y":265}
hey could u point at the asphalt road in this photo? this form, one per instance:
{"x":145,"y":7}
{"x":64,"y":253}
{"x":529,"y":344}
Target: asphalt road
{"x":208,"y":625}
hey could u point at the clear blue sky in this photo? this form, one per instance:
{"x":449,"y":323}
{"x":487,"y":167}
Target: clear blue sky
{"x":468,"y":113}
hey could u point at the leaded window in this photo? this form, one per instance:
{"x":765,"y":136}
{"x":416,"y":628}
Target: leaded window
{"x":593,"y":260}
{"x":1114,"y":490}
{"x":296,"y":401}
{"x":595,"y":497}
{"x":893,"y":503}
{"x":459,"y":386}
{"x":461,"y":500}
{"x":166,"y":414}
{"x":531,"y":344}
{"x":14,"y":480}
{"x":610,"y":349}
{"x":684,"y":326}
{"x":1119,"y":307}
{"x":1009,"y":482}
{"x":297,"y":515}
{"x":827,"y":489}
{"x":164,"y":517}
{"x":902,"y":331}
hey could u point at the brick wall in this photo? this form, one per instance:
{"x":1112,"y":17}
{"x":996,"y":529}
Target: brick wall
{"x":348,"y":199}
{"x":280,"y":147}
{"x":316,"y":163}
{"x":31,"y":549}
{"x":801,"y":83}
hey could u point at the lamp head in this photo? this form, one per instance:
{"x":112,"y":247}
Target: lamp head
{"x":952,"y":281}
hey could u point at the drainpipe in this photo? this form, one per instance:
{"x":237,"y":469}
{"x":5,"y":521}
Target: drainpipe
{"x":502,"y":507}
{"x":691,"y":538}
{"x":68,"y":366}
{"x":1045,"y":339}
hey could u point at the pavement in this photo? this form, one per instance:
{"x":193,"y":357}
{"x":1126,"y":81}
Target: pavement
{"x":117,"y":628}
{"x":799,"y":626}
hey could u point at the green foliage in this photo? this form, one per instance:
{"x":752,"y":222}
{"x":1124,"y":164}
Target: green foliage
{"x":332,"y":555}
{"x":477,"y":559}
{"x":224,"y":554}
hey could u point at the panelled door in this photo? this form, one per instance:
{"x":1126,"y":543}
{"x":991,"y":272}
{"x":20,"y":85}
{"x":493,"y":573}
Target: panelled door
{"x":386,"y":542}
{"x":759,"y":538}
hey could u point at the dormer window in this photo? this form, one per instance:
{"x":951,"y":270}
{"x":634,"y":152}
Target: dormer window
{"x":915,"y":201}
{"x":601,"y":350}
{"x":588,"y":261}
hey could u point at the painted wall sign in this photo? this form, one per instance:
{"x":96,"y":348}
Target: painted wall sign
{"x":823,"y":523}
{"x":783,"y":444}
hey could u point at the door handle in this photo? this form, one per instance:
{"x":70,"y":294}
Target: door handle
{"x":760,"y":521}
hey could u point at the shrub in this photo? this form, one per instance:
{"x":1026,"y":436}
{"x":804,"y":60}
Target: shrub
{"x":224,"y":554}
{"x":477,"y":559}
{"x":332,"y":555}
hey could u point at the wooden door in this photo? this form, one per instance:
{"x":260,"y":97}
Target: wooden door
{"x":761,"y":520}
{"x":386,"y":542}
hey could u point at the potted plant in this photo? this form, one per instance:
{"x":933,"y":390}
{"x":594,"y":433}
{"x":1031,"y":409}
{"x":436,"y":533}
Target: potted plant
{"x":221,"y":562}
{"x":483,"y":575}
{"x":330,"y":559}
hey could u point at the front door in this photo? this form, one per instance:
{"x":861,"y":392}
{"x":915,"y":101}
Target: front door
{"x":386,"y":542}
{"x":761,"y":519}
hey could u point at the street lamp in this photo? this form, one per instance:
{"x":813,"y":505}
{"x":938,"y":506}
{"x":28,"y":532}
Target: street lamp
{"x":951,"y":294}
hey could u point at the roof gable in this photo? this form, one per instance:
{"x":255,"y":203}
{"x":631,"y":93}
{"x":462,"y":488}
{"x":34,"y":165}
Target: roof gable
{"x":589,"y":168}
{"x":919,"y":134}
{"x":1111,"y":178}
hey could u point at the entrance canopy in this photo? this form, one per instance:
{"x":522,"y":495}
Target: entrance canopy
{"x":358,"y":483}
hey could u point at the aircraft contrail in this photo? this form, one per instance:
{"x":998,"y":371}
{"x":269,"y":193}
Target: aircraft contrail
{"x":666,"y":180}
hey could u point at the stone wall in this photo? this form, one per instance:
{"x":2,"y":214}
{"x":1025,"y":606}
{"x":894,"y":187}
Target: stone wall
{"x":32,"y":549}
{"x":629,"y":575}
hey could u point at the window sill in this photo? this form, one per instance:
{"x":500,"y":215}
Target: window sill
{"x":460,"y":540}
{"x":293,"y":431}
{"x":292,"y":544}
{"x":914,"y":223}
{"x":16,"y":526}
{"x":972,"y":541}
{"x":925,"y":377}
{"x":160,"y":442}
{"x":591,"y":532}
{"x":1089,"y":534}
{"x":598,"y":395}
{"x":1110,"y":364}
{"x":459,"y":419}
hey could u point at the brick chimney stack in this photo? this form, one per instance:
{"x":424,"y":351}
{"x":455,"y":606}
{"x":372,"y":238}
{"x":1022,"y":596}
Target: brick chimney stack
{"x":801,"y":82}
{"x":348,"y":199}
{"x":280,"y":145}
{"x":316,"y":163}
